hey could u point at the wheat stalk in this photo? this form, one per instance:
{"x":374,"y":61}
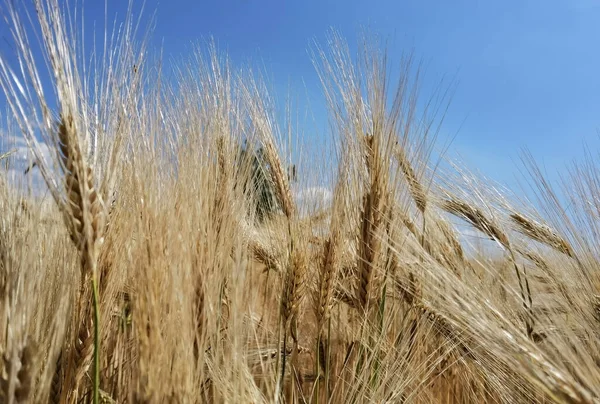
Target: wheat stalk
{"x":84,"y":217}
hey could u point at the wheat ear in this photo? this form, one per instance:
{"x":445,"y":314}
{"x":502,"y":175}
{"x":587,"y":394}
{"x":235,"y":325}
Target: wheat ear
{"x":83,"y":213}
{"x":416,"y":189}
{"x":17,"y":375}
{"x":326,"y":281}
{"x":282,"y":186}
{"x":291,"y":299}
{"x":541,"y":233}
{"x":478,"y":220}
{"x":370,"y":221}
{"x":328,"y":266}
{"x":85,"y":222}
{"x":420,"y":198}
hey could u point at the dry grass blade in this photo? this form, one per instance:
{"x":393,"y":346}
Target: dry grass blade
{"x":7,"y":154}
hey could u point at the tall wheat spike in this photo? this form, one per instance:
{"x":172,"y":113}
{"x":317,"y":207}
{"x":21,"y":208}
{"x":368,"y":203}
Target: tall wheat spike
{"x":327,"y":276}
{"x":84,"y":218}
{"x":371,"y":219}
{"x":85,"y":222}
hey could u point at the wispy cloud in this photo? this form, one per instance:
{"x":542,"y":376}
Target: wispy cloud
{"x":20,"y":160}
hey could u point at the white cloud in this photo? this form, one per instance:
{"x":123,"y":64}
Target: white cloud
{"x":20,"y":160}
{"x":312,"y":198}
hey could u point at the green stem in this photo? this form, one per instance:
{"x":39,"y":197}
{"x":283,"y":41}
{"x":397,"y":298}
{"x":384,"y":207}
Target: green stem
{"x":96,"y":392}
{"x":283,"y":364}
{"x":317,"y":368}
{"x":327,"y":361}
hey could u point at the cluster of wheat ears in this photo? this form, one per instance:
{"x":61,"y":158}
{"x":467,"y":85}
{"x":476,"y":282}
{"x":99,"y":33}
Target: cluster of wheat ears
{"x":140,"y":272}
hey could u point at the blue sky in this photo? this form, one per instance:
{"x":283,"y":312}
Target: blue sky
{"x":526,"y":71}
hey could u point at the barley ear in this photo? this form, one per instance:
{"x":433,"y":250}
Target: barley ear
{"x":370,"y":221}
{"x":17,"y":373}
{"x":84,"y":216}
{"x":416,"y":189}
{"x":476,"y":218}
{"x":83,"y":205}
{"x":282,"y":185}
{"x":541,"y":233}
{"x":482,"y":223}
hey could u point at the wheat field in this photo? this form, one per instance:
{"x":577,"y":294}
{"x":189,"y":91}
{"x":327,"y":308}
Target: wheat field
{"x":167,"y":258}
